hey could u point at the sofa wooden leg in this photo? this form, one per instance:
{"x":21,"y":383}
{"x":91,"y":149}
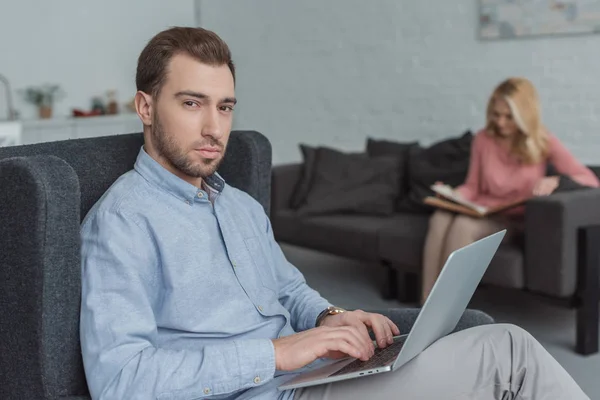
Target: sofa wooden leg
{"x":408,"y":288}
{"x":390,"y":285}
{"x":588,"y":288}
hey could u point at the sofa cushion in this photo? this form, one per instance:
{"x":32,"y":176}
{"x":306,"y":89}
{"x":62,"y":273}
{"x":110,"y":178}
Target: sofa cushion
{"x":398,"y":239}
{"x":446,"y":161}
{"x":400,"y":150}
{"x":351,"y":183}
{"x":310,"y":161}
{"x":353,"y":236}
{"x":309,"y":157}
{"x":401,"y":239}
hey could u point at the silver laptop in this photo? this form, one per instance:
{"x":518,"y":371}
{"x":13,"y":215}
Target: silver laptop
{"x":438,"y":317}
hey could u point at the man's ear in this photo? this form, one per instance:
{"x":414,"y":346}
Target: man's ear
{"x":144,"y":107}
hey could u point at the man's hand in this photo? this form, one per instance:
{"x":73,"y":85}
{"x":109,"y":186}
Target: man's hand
{"x":383,"y":328}
{"x":546,"y":186}
{"x":296,"y":351}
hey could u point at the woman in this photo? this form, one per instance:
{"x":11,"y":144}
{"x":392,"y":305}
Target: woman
{"x":508,"y":162}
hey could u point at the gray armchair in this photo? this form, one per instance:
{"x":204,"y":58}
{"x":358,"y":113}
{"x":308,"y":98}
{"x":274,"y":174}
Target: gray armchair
{"x":45,"y":191}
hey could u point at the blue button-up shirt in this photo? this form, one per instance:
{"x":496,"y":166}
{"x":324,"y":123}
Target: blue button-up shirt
{"x":183,"y":290}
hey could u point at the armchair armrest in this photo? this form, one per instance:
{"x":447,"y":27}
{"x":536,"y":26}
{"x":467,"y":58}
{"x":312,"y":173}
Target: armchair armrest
{"x":551,"y":234}
{"x":284,"y":179}
{"x":40,"y":279}
{"x":405,"y":318}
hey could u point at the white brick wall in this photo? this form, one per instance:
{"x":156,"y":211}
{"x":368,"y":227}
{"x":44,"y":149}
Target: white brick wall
{"x":338,"y":71}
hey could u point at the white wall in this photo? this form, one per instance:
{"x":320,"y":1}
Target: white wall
{"x":335,"y":72}
{"x":88,"y":47}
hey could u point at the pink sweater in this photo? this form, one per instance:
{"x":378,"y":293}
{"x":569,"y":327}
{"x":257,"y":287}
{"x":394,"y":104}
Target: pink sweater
{"x":497,"y":177}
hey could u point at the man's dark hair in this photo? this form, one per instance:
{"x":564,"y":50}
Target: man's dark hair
{"x":201,"y":44}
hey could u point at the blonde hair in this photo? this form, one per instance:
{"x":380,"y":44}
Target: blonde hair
{"x":531,"y":142}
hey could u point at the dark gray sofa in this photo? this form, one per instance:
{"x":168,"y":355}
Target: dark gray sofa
{"x":45,"y":190}
{"x":557,"y":258}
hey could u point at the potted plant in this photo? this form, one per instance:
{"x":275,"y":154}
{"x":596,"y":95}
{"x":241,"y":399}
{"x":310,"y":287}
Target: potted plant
{"x":44,"y":97}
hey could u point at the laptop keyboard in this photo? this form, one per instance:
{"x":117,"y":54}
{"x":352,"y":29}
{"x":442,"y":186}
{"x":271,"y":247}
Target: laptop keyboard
{"x":379,"y":359}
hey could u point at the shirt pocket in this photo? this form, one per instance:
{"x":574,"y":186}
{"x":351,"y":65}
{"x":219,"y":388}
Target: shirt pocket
{"x":262,"y":263}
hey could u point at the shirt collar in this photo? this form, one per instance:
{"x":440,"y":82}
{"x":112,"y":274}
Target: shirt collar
{"x":155,"y":173}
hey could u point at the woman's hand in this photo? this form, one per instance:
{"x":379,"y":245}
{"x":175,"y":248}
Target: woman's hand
{"x":546,"y":186}
{"x":438,"y":183}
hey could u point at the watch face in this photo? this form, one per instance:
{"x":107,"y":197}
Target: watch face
{"x":331,"y":310}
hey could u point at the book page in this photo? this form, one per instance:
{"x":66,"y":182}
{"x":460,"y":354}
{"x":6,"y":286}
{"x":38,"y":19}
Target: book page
{"x":452,"y":206}
{"x":449,"y":193}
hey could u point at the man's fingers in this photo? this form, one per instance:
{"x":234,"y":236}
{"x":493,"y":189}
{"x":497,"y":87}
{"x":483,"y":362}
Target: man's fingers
{"x":385,"y":337}
{"x":384,"y":329}
{"x":395,"y":329}
{"x":383,"y":333}
{"x":364,"y":333}
{"x":346,"y":342}
{"x":378,"y":326}
{"x":387,"y":326}
{"x":358,"y":322}
{"x":341,"y":345}
{"x":388,"y":332}
{"x":352,"y":336}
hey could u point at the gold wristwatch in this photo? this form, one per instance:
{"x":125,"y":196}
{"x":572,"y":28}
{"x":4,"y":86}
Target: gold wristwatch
{"x":331,"y":310}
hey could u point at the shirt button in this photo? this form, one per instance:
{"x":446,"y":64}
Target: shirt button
{"x":200,"y":195}
{"x":260,"y":308}
{"x":257,"y":380}
{"x":187,"y":202}
{"x":206,"y":390}
{"x":233,"y":263}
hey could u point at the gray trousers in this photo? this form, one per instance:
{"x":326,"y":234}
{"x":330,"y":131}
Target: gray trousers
{"x":486,"y":362}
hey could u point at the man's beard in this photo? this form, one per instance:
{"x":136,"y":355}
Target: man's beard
{"x":167,"y":148}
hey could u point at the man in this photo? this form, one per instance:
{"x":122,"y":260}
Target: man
{"x":187,"y":295}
